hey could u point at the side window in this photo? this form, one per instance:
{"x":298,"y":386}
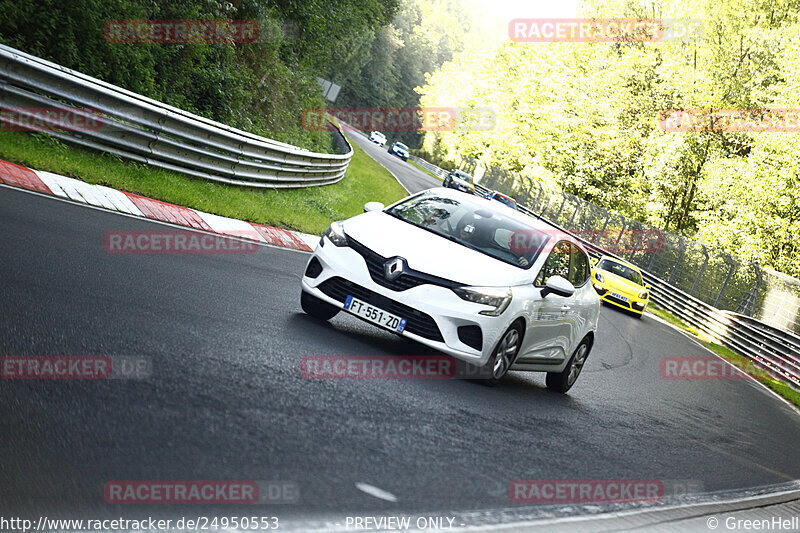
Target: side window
{"x":557,"y":263}
{"x":579,"y":269}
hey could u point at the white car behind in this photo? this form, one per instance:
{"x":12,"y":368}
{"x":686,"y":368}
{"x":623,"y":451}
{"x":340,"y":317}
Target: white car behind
{"x":484,"y":284}
{"x":378,"y":138}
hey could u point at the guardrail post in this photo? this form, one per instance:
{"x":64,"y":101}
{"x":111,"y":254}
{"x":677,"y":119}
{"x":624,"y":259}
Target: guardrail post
{"x":621,"y":232}
{"x":733,"y":264}
{"x":653,"y":259}
{"x":678,"y":262}
{"x":541,"y":191}
{"x":748,"y":304}
{"x":546,"y":203}
{"x":563,"y":201}
{"x":700,"y":274}
{"x":605,"y":224}
{"x":578,"y":203}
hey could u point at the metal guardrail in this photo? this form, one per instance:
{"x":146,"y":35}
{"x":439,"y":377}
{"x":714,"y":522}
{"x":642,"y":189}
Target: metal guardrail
{"x":433,"y":169}
{"x":769,"y":348}
{"x":147,"y":131}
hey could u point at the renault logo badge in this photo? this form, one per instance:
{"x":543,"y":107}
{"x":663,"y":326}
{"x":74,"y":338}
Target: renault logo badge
{"x":393,"y":267}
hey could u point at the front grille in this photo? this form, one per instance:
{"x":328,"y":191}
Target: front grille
{"x":406,"y":280}
{"x":417,"y":322}
{"x":617,"y":301}
{"x":471,"y":336}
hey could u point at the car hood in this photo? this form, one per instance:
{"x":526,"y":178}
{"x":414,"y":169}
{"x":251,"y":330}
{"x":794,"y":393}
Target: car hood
{"x":427,"y":252}
{"x":621,"y":284}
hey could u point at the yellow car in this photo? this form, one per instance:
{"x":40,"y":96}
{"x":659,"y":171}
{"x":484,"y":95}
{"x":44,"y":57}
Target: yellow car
{"x":620,"y":283}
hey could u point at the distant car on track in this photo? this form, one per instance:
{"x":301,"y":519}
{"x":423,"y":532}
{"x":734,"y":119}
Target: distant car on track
{"x":459,"y":180}
{"x":378,"y":138}
{"x":400,"y":150}
{"x":620,"y":284}
{"x":502,"y":198}
{"x":447,"y":270}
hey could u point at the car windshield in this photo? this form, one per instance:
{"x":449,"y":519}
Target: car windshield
{"x":474,"y":225}
{"x":462,"y":176}
{"x":508,"y":201}
{"x":621,"y":270}
{"x":401,"y":146}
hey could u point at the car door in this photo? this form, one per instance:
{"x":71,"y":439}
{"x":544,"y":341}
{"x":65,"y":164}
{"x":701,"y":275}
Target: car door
{"x":583,"y":302}
{"x":550,"y":330}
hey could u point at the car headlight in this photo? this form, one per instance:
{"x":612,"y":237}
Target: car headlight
{"x":599,"y":277}
{"x":643,"y":295}
{"x":496,"y":297}
{"x":335,"y":234}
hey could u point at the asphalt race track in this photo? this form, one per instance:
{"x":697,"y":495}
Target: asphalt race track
{"x":226,"y":399}
{"x":413,"y":179}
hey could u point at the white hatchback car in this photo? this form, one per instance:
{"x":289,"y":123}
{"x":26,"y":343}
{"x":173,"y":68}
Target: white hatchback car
{"x":378,"y":138}
{"x":484,"y":284}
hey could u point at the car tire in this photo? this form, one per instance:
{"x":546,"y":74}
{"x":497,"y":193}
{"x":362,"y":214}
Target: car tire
{"x":563,"y":381}
{"x":497,"y":367}
{"x":317,"y":308}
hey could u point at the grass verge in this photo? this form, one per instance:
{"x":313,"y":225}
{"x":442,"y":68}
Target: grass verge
{"x":742,"y":363}
{"x":309,"y":210}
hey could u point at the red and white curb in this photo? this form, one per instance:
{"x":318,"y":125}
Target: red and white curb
{"x":141,"y":206}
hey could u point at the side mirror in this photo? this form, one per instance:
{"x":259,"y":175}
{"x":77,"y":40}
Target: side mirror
{"x":647,"y":286}
{"x":558,"y":286}
{"x":373,"y":206}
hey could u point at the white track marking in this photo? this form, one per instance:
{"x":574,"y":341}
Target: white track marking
{"x":376,"y":492}
{"x":230,"y":226}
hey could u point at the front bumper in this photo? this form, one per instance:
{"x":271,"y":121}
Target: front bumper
{"x":634,"y":304}
{"x":344,"y":269}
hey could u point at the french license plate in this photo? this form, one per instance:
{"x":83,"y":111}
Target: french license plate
{"x":619,"y":296}
{"x":374,"y":314}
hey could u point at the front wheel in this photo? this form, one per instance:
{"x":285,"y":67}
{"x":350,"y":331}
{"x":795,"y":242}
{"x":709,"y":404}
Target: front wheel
{"x":503,"y":356}
{"x":563,"y":381}
{"x":316,"y":307}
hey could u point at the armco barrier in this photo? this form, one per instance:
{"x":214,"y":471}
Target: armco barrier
{"x":147,"y":131}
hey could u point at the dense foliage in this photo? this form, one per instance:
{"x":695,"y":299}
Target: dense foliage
{"x":585,"y":116}
{"x":262,"y":86}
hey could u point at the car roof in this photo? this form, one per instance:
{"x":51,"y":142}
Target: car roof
{"x":620,"y":261}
